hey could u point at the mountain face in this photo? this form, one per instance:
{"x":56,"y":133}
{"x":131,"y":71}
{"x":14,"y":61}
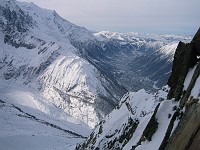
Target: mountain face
{"x":82,"y":73}
{"x":36,"y":51}
{"x":28,"y":121}
{"x":166,"y":120}
{"x":59,"y":78}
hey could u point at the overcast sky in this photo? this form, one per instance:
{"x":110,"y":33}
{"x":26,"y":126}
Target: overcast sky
{"x":147,"y":16}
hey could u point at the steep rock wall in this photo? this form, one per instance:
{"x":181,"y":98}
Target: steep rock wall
{"x":186,"y":56}
{"x":187,"y":134}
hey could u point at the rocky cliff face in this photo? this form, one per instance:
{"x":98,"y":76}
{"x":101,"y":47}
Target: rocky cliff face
{"x":166,"y":120}
{"x":186,"y":56}
{"x":187,"y":133}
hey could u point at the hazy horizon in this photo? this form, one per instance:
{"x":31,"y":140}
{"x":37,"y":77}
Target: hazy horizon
{"x":144,"y":16}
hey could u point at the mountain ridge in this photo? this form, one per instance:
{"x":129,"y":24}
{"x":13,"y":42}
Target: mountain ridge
{"x":61,"y":71}
{"x":168,"y":119}
{"x":44,"y":41}
{"x":36,"y":52}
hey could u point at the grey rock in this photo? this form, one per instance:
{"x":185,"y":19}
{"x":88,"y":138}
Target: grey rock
{"x":196,"y":42}
{"x":183,"y":58}
{"x":187,"y":135}
{"x":186,"y":56}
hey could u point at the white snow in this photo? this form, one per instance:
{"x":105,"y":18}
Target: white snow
{"x":196,"y":89}
{"x":195,"y":93}
{"x":188,"y":78}
{"x":169,"y":50}
{"x":19,"y":132}
{"x":165,"y":109}
{"x":140,"y":102}
{"x":63,"y":70}
{"x":138,"y":133}
{"x":77,"y":79}
{"x":53,"y":25}
{"x":165,"y":44}
{"x":36,"y":109}
{"x":141,"y":37}
{"x":138,"y":106}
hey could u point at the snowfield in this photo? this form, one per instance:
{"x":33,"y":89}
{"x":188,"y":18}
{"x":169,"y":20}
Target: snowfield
{"x":41,"y":56}
{"x":28,"y":121}
{"x":125,"y":127}
{"x":58,"y":81}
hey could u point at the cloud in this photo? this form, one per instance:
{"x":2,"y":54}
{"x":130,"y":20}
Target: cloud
{"x":130,"y":15}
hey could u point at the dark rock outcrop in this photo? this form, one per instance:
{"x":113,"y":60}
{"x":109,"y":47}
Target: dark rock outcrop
{"x":151,"y":127}
{"x":196,"y":42}
{"x":187,"y":135}
{"x":187,"y":93}
{"x":16,"y":25}
{"x":186,"y":56}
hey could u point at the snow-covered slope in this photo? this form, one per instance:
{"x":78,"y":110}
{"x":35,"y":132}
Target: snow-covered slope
{"x":29,"y":121}
{"x":168,"y":119}
{"x":36,"y":50}
{"x":144,"y":121}
{"x":126,"y":127}
{"x":52,"y":71}
{"x":69,"y":65}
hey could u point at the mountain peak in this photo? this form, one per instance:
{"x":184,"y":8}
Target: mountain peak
{"x":52,"y":68}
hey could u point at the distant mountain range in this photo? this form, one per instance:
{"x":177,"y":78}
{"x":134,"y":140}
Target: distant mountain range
{"x":166,"y":120}
{"x":66,"y":71}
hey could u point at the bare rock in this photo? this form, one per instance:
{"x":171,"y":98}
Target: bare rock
{"x":196,"y":42}
{"x":187,"y":135}
{"x":186,"y":56}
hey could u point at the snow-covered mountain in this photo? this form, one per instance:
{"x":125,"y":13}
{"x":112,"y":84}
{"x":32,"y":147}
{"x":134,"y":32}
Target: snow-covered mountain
{"x":36,"y":50}
{"x":166,"y":120}
{"x":134,"y":60}
{"x":124,"y":127}
{"x":81,"y":73}
{"x":61,"y":77}
{"x":29,"y":121}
